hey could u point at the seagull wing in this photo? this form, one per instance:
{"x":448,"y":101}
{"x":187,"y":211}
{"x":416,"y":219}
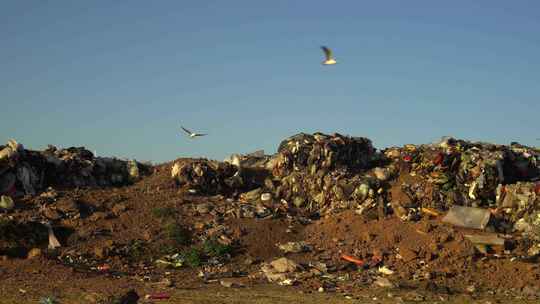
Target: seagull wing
{"x":327,"y":52}
{"x":200,"y":134}
{"x":186,"y":130}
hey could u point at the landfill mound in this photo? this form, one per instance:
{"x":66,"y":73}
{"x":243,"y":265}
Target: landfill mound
{"x":326,"y":213}
{"x":324,"y":173}
{"x":26,"y":172}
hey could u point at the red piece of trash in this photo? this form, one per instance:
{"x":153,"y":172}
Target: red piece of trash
{"x":407,"y":158}
{"x":104,"y":268}
{"x":158,"y":296}
{"x":351,"y":259}
{"x":438,"y":159}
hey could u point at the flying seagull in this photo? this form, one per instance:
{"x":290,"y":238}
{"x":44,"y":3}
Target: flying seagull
{"x":192,"y":134}
{"x":328,"y":54}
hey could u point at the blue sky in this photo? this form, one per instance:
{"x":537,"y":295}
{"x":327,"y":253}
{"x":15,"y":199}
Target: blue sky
{"x":119,"y":77}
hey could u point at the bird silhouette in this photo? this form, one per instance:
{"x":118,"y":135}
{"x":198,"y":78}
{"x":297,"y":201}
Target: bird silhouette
{"x":192,"y":134}
{"x":328,"y":55}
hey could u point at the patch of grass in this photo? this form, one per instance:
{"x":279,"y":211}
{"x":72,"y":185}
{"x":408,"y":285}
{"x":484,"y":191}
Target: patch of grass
{"x":177,"y":233}
{"x":48,"y":300}
{"x":164,"y":212}
{"x":193,"y":257}
{"x":212,"y":248}
{"x":167,"y":249}
{"x":136,"y":249}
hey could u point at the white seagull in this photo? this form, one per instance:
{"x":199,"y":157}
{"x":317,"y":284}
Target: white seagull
{"x":328,"y":54}
{"x":192,"y":134}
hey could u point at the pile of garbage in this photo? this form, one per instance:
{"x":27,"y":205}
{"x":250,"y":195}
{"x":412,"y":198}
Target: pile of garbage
{"x":212,"y":177}
{"x":463,"y":173}
{"x":27,"y":172}
{"x":322,"y":153}
{"x":324,"y":173}
{"x":504,"y":179}
{"x":312,"y":172}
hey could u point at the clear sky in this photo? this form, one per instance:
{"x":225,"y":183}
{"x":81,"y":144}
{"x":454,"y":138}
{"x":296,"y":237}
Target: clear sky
{"x":119,"y":77}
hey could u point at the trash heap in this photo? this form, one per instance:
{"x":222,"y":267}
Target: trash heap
{"x":322,"y":153}
{"x":26,"y":172}
{"x":505,"y":179}
{"x":322,"y":172}
{"x":319,"y":172}
{"x":210,"y":177}
{"x":311,"y":172}
{"x":463,"y":173}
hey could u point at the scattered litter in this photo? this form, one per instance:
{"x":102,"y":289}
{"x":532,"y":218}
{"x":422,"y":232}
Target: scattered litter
{"x":468,"y":217}
{"x":53,"y":241}
{"x":351,"y":259}
{"x":491,"y":239}
{"x":430,"y":211}
{"x":287,"y":282}
{"x":295,"y":247}
{"x":158,"y":296}
{"x":385,"y":270}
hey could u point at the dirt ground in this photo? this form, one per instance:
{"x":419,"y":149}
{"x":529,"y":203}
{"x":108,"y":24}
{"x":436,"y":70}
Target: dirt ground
{"x":111,"y":239}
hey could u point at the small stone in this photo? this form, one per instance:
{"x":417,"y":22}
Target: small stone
{"x":230,"y":283}
{"x":119,"y":209}
{"x":471,"y":289}
{"x":407,"y":254}
{"x":321,"y":289}
{"x":287,"y":282}
{"x":147,"y":236}
{"x":51,"y":214}
{"x":271,"y":274}
{"x":34,"y":253}
{"x":530,"y":291}
{"x":283,"y":265}
{"x":294,"y":247}
{"x":204,"y":208}
{"x":97,"y":216}
{"x":383,"y":282}
{"x":67,"y":206}
{"x":320,"y":267}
